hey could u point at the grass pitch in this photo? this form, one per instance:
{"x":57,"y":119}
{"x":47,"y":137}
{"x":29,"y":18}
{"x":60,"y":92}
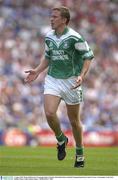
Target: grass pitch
{"x":42,"y":161}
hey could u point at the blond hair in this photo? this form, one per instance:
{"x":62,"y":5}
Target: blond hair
{"x":64,"y":12}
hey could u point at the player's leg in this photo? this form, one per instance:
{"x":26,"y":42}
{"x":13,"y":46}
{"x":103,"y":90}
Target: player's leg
{"x":73,"y":98}
{"x":51,"y":104}
{"x":73,"y":112}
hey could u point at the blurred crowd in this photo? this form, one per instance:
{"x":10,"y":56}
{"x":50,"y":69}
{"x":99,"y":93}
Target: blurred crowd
{"x":23,"y":25}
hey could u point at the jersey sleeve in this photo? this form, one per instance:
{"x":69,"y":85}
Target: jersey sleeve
{"x":47,"y":52}
{"x":84,"y":50}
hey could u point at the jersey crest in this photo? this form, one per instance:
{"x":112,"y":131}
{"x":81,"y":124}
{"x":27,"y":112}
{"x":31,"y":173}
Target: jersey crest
{"x":66,"y":45}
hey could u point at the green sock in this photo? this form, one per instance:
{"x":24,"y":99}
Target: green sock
{"x":61,"y":137}
{"x":79,"y":151}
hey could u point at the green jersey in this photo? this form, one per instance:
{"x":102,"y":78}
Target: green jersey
{"x":66,"y":54}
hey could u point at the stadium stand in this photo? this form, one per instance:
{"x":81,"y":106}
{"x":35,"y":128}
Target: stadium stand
{"x":23,"y":25}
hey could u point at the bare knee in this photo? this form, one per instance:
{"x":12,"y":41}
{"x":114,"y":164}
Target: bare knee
{"x":50,"y":114}
{"x":74,"y":120}
{"x":75,"y":124}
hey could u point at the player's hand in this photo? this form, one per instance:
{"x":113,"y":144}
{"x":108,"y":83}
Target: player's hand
{"x":78,"y":82}
{"x":32,"y":75}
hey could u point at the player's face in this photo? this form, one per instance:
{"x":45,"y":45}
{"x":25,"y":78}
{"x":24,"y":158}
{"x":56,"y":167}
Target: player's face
{"x":56,"y":20}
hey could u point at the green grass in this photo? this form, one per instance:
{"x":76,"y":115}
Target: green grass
{"x":42,"y":161}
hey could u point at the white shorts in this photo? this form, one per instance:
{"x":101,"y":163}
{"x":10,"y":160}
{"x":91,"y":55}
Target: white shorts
{"x":62,"y":89}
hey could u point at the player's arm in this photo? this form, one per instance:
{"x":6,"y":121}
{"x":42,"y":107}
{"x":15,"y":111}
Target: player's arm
{"x":87,"y":56}
{"x":34,"y":73}
{"x":84,"y":71}
{"x":42,"y":66}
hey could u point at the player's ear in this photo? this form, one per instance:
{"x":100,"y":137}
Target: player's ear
{"x":64,"y":20}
